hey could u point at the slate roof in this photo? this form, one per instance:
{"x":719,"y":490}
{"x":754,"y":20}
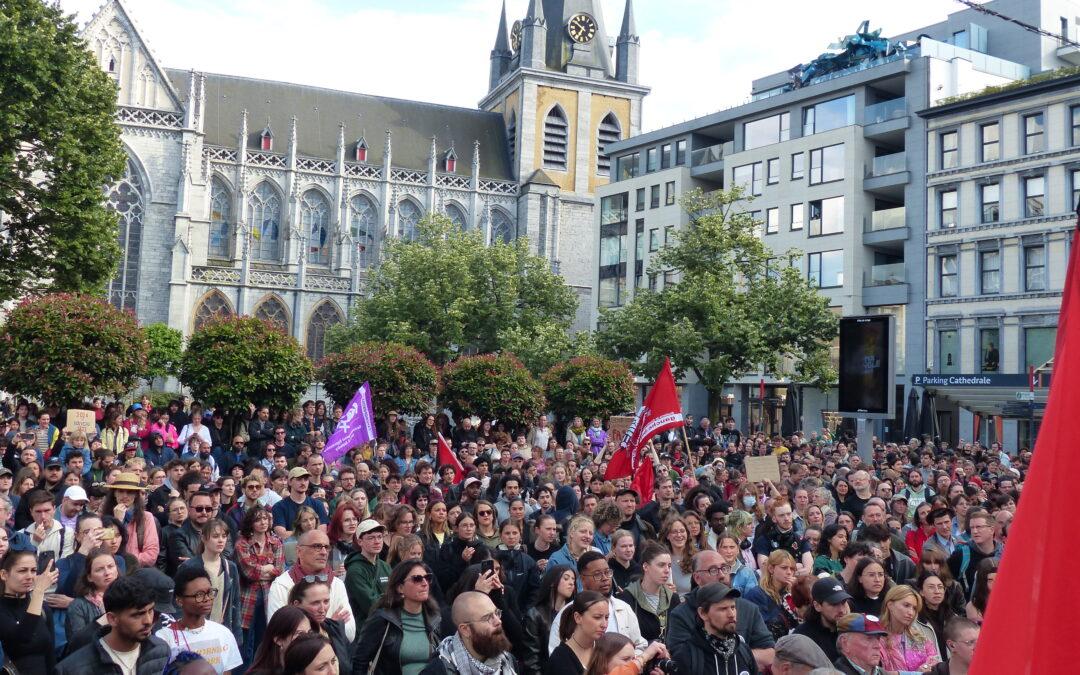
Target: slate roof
{"x":319,"y":112}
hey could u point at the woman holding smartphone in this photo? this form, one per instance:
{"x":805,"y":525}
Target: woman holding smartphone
{"x":26,"y":632}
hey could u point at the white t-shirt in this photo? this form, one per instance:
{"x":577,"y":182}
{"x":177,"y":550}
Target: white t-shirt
{"x":213,"y":642}
{"x":126,"y":660}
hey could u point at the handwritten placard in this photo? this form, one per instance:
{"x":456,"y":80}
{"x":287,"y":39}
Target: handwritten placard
{"x":760,"y":469}
{"x":81,"y":420}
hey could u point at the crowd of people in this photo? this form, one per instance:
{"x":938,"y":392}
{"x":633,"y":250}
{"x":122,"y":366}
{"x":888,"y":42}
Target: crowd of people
{"x":176,"y":540}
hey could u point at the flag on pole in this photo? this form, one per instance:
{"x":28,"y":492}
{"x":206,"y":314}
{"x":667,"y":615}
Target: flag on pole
{"x":357,"y":426}
{"x":660,"y":412}
{"x":446,"y":456}
{"x":1031,"y":620}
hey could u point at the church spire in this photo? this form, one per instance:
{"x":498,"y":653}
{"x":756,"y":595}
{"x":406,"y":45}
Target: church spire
{"x":534,"y":36}
{"x":500,"y":54}
{"x":626,"y":47}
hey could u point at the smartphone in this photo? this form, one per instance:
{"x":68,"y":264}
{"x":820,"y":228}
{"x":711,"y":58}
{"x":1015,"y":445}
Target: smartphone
{"x":28,"y":436}
{"x":487,"y":566}
{"x":43,"y":560}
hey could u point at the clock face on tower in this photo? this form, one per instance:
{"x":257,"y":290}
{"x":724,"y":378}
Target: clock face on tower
{"x":581,"y":27}
{"x":515,"y":36}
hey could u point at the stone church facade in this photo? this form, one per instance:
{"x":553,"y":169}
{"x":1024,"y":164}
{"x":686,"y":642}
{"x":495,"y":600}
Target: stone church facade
{"x":271,"y":199}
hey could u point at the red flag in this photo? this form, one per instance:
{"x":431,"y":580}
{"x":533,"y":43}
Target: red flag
{"x":1031,"y":619}
{"x":660,"y":412}
{"x":761,"y":389}
{"x":446,"y":456}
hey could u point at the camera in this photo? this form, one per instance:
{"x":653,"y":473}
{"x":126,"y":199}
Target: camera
{"x":664,"y":665}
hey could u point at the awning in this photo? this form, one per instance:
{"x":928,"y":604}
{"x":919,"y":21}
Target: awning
{"x":990,"y":401}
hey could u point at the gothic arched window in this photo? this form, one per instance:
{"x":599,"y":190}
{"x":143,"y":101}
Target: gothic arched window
{"x":363,"y":219}
{"x":457,"y":215}
{"x":609,"y":132}
{"x":220,"y":219}
{"x":272,"y":311}
{"x":556,"y":139}
{"x":325,"y":316}
{"x":264,"y":206}
{"x":408,"y":214}
{"x":128,"y":200}
{"x":502,"y":228}
{"x":213,"y":306}
{"x":315,"y":223}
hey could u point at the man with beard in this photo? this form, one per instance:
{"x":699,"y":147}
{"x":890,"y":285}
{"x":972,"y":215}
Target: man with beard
{"x":479,"y":647}
{"x":126,"y":641}
{"x":916,"y":491}
{"x":779,"y":533}
{"x":715,"y":646}
{"x":829,"y":602}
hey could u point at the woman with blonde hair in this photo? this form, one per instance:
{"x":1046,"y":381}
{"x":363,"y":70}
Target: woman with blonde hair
{"x":773,"y":594}
{"x":740,"y":525}
{"x":910,"y":645}
{"x":675,"y":535}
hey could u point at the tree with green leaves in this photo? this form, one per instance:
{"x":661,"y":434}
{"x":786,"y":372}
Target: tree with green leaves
{"x":166,"y":350}
{"x":734,"y":305}
{"x":492,"y":387}
{"x":402,"y":379}
{"x":233,"y":362}
{"x":59,"y":148}
{"x":64,"y":348}
{"x":589,"y":386}
{"x":447,"y":294}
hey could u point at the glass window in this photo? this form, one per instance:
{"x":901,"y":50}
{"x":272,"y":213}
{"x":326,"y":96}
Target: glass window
{"x":839,"y":112}
{"x":766,"y":131}
{"x":991,"y":142}
{"x":748,"y":177}
{"x":325,"y":317}
{"x":220,"y":227}
{"x":797,"y":167}
{"x":264,"y":209}
{"x":639,"y":242}
{"x":1038,"y":346}
{"x":1074,"y":118}
{"x":1034,"y":134}
{"x":826,"y":216}
{"x":654,"y":197}
{"x":948,"y":281}
{"x":639,"y":202}
{"x":669,"y":193}
{"x":949,"y":351}
{"x":989,"y":350}
{"x":627,"y":165}
{"x":950,"y":150}
{"x":1035,"y":268}
{"x":652,"y":160}
{"x":948,"y":209}
{"x":826,"y":269}
{"x":1075,"y":176}
{"x":654,"y":239}
{"x":680,"y":153}
{"x":667,"y":234}
{"x":772,"y":220}
{"x":991,"y":202}
{"x":990,"y":272}
{"x":960,"y":39}
{"x":613,"y":255}
{"x":613,"y":209}
{"x":1034,"y":192}
{"x":773,"y":171}
{"x":665,"y":156}
{"x":797,"y":216}
{"x":315,"y":223}
{"x":827,"y":164}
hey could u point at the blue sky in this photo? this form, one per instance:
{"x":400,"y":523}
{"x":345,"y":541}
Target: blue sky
{"x":697,"y":55}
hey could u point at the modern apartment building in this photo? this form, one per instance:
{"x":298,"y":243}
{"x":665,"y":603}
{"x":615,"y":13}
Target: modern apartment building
{"x":837,"y":167}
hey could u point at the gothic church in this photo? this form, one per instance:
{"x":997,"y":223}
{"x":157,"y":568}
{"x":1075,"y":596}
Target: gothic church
{"x":272,"y":199}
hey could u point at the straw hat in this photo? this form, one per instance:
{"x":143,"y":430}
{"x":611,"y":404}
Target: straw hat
{"x":128,"y":481}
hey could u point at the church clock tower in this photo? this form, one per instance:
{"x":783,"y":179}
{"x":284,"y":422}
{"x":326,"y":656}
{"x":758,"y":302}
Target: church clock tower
{"x":564,"y":95}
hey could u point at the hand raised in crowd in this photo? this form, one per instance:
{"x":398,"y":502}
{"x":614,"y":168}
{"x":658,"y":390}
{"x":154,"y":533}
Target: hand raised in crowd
{"x":120,"y":510}
{"x":342,"y":615}
{"x":488,"y":581}
{"x":47,"y":579}
{"x":468,"y":553}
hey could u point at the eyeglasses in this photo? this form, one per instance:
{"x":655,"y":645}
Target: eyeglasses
{"x":489,"y":618}
{"x":203,"y":596}
{"x":967,"y":643}
{"x":252,"y":486}
{"x":312,"y":578}
{"x":716,"y":570}
{"x":202,"y":509}
{"x":317,"y":547}
{"x":604,"y":574}
{"x":238,"y":445}
{"x":422,"y":578}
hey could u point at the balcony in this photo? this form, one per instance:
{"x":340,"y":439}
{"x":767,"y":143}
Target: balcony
{"x":889,"y":164}
{"x":887,"y":228}
{"x":887,"y":275}
{"x":888,"y":174}
{"x":885,"y":111}
{"x":708,"y":163}
{"x":885,"y":285}
{"x":887,"y":219}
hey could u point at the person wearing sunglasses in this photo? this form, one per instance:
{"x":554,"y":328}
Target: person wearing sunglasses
{"x":193,"y":631}
{"x":403,"y":629}
{"x":183,"y":542}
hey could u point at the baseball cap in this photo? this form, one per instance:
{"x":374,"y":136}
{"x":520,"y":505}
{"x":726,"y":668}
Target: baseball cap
{"x":369,"y":525}
{"x":53,"y":461}
{"x":517,"y":455}
{"x":76,"y":494}
{"x":4,"y":471}
{"x":715,"y":592}
{"x":470,"y":480}
{"x":392,"y":412}
{"x":160,"y":584}
{"x":830,"y":590}
{"x":298,"y":472}
{"x":867,"y":624}
{"x":131,"y":445}
{"x":801,"y":650}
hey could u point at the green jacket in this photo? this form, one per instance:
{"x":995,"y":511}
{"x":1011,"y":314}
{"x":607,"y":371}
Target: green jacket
{"x":365,"y":583}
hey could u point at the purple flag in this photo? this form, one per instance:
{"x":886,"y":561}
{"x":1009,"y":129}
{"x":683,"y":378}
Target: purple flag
{"x":357,"y":426}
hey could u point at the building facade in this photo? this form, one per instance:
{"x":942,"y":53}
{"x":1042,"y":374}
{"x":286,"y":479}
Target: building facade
{"x":271,"y":199}
{"x":836,"y":164}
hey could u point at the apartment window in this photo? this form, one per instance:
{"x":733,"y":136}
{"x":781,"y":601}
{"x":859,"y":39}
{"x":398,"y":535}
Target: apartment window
{"x":1075,"y":176}
{"x":669,"y":193}
{"x":839,"y":112}
{"x":767,"y":131}
{"x":1034,"y":134}
{"x":948,"y":280}
{"x":827,"y":164}
{"x":1074,"y":122}
{"x":748,"y":177}
{"x":680,"y":153}
{"x":1038,"y":346}
{"x":652,"y":282}
{"x":654,"y":197}
{"x":1034,"y":194}
{"x":639,"y":252}
{"x":826,"y":269}
{"x":667,"y":234}
{"x":989,"y":272}
{"x":639,"y":204}
{"x":652,"y":160}
{"x":947,"y":210}
{"x":773,"y":171}
{"x":665,"y":156}
{"x":772,"y":221}
{"x":950,"y":150}
{"x":613,"y":253}
{"x":989,"y":350}
{"x":826,"y":216}
{"x":960,"y":39}
{"x":991,"y":202}
{"x":797,"y":216}
{"x":797,"y":166}
{"x":990,"y":139}
{"x":1035,"y":268}
{"x":654,"y":239}
{"x":627,"y":165}
{"x":949,"y":351}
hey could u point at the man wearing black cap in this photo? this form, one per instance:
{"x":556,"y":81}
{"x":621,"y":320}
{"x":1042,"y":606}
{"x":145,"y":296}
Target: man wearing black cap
{"x":830,"y":602}
{"x":715,"y":646}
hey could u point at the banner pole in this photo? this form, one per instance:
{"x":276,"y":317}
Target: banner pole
{"x":686,"y":442}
